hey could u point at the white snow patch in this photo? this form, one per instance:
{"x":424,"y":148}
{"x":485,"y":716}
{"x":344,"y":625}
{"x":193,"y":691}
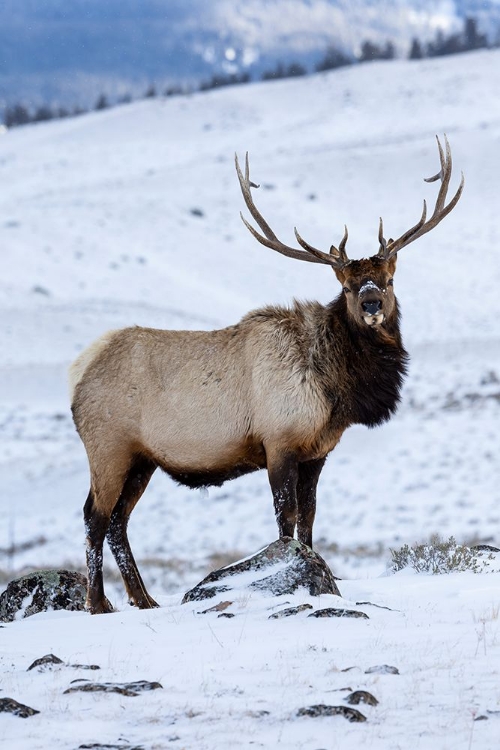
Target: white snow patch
{"x":367,"y":286}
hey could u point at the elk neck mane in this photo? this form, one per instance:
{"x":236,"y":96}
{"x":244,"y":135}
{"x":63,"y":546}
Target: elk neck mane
{"x":373,"y":361}
{"x":358,"y":369}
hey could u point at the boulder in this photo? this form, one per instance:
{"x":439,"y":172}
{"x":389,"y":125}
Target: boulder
{"x":331,"y":612}
{"x":279,"y":569}
{"x":382,"y":669}
{"x":41,"y":591}
{"x":361,"y":696}
{"x":351,"y":714}
{"x":124,"y":688}
{"x":9,"y":705}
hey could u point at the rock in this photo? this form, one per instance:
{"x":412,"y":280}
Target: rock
{"x":99,"y":746}
{"x":289,"y":611}
{"x":220,"y":607}
{"x":124,"y":688}
{"x":279,"y":569}
{"x":372,"y":604}
{"x":45,"y":662}
{"x":382,"y":669}
{"x":227,"y":615}
{"x":49,"y":661}
{"x":485,"y":548}
{"x":11,"y":706}
{"x":41,"y":591}
{"x":259,"y":714}
{"x":330,"y":612}
{"x":361,"y":696}
{"x":351,"y":714}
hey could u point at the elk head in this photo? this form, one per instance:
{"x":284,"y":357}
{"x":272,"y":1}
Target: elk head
{"x":368,"y":283}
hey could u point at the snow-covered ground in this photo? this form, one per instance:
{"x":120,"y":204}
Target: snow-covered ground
{"x":131,"y":216}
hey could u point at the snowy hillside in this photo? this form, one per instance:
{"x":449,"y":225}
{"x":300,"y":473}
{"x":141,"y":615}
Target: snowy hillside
{"x":131,"y":216}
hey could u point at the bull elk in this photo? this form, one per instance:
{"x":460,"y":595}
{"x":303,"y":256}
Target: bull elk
{"x":274,"y":391}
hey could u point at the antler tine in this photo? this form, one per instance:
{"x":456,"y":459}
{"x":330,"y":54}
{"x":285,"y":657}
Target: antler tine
{"x":336,"y":257}
{"x":441,"y":159}
{"x":340,"y":251}
{"x":444,"y":173}
{"x":310,"y":254}
{"x":381,"y":238}
{"x":389,"y":248}
{"x":245,"y":185}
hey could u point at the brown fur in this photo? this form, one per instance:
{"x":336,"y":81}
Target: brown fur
{"x":275,"y":391}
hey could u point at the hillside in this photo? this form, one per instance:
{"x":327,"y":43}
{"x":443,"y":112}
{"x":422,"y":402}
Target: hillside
{"x":131,"y":216}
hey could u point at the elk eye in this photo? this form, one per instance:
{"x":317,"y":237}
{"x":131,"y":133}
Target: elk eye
{"x":346,"y":290}
{"x":390,"y":282}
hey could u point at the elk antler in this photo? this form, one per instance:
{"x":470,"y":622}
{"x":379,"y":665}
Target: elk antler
{"x":337,"y":256}
{"x":389,"y":248}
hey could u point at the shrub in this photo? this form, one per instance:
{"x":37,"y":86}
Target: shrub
{"x":438,"y":556}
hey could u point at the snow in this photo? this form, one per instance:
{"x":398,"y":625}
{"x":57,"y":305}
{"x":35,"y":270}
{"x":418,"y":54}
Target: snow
{"x":367,"y":286}
{"x":98,"y":230}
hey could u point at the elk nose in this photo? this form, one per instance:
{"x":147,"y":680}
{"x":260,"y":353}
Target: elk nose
{"x":371,"y":307}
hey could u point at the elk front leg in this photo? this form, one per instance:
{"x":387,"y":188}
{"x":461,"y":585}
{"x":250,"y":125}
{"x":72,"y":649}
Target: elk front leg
{"x":283,"y":475}
{"x":309,"y":472}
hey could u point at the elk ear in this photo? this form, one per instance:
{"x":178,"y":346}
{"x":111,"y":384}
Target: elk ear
{"x":340,"y":275}
{"x":392,"y":264}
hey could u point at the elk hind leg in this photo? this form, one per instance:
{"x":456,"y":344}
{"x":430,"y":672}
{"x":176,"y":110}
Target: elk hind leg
{"x":96,"y":526}
{"x":136,"y":482}
{"x":107,"y":480}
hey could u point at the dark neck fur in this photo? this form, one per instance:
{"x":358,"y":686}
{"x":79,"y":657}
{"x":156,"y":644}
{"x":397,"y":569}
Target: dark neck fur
{"x":361,"y":368}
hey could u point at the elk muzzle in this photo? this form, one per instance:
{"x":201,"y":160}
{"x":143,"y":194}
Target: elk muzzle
{"x":372,"y":307}
{"x":370,"y":297}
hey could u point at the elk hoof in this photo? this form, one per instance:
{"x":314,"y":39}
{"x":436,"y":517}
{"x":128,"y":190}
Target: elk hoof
{"x":101,"y":607}
{"x":144,"y":602}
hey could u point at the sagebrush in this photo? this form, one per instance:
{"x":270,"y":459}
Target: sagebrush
{"x":438,"y":556}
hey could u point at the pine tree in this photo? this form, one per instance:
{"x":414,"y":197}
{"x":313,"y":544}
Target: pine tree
{"x":416,"y":52}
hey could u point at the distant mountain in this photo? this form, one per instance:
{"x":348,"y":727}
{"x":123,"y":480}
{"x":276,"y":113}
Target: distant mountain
{"x":70,"y":51}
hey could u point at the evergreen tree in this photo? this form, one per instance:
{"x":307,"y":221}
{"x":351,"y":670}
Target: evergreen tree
{"x":389,"y":51}
{"x":43,"y":113}
{"x":16,"y":115}
{"x":333,"y":58}
{"x":472,"y":38}
{"x":370,"y":51}
{"x":174,"y":90}
{"x":277,"y":72}
{"x":416,"y":52}
{"x":102,"y":102}
{"x":295,"y":69}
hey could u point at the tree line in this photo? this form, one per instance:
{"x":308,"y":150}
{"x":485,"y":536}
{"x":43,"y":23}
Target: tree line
{"x":443,"y":44}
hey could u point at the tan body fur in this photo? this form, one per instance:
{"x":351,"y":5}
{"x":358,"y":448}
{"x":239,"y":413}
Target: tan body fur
{"x":203,"y":401}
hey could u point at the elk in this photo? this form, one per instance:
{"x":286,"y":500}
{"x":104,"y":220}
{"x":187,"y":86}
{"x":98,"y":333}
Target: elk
{"x":274,"y":391}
